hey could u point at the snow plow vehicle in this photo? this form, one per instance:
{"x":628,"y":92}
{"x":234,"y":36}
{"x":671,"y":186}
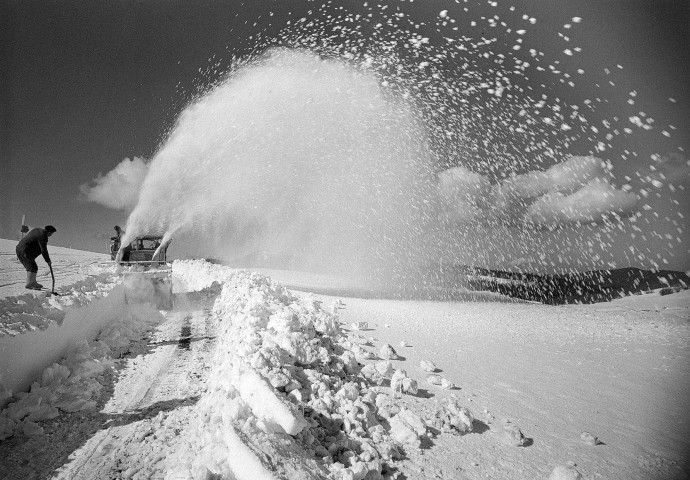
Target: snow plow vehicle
{"x":147,"y":275}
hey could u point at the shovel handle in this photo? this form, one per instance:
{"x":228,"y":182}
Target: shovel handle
{"x":52,"y":276}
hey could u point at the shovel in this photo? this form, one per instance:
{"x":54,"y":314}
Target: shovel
{"x":52,"y":290}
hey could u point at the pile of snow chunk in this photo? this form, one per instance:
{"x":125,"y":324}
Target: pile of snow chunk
{"x":75,"y":383}
{"x":284,"y":383}
{"x":451,"y":416}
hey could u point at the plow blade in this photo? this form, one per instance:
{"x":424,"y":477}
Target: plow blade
{"x":150,"y":286}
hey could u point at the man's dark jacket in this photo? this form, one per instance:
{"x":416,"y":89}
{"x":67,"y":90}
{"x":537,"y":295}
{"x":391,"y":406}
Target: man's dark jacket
{"x":35,"y":243}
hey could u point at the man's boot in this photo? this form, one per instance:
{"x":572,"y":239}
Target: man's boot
{"x":31,"y":281}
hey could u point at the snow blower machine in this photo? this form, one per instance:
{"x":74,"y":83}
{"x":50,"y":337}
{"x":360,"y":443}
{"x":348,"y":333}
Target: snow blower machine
{"x":147,"y":275}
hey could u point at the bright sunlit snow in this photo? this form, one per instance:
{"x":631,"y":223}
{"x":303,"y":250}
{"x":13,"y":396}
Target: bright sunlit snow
{"x":246,"y":379}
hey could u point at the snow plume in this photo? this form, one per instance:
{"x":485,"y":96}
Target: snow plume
{"x":576,"y":190}
{"x":672,"y":169}
{"x":464,"y":192}
{"x":296,"y":158}
{"x":119,"y":188}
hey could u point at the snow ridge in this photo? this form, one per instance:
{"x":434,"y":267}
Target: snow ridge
{"x":284,"y":380}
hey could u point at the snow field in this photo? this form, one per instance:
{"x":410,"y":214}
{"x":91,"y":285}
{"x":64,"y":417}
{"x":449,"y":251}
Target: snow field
{"x":283,"y":395}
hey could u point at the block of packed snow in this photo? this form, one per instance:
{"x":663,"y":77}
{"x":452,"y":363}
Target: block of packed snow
{"x":387,"y":352}
{"x":361,"y":353}
{"x":407,"y":428}
{"x":349,"y":391}
{"x":565,"y":472}
{"x":349,"y":362}
{"x":427,"y":366}
{"x":512,"y":435}
{"x":386,"y":406}
{"x":454,"y":416}
{"x":55,"y":374}
{"x":370,"y":373}
{"x":385,"y":368}
{"x":589,"y":439}
{"x":401,"y":383}
{"x":7,"y":426}
{"x":277,"y":378}
{"x":244,"y":463}
{"x":447,"y":384}
{"x":266,"y":405}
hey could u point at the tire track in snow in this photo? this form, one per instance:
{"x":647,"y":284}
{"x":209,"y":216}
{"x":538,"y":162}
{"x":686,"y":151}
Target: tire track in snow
{"x":175,"y":379}
{"x":169,"y":377}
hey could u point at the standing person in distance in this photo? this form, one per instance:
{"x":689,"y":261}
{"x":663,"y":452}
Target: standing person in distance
{"x":118,"y":243}
{"x":115,"y":242}
{"x":32,"y":245}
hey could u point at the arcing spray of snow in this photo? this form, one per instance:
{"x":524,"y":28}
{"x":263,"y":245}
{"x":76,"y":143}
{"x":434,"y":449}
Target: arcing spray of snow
{"x":297,"y":158}
{"x":307,"y":163}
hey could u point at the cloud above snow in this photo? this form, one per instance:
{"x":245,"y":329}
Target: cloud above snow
{"x":119,"y":188}
{"x":592,"y":203}
{"x":575,"y":190}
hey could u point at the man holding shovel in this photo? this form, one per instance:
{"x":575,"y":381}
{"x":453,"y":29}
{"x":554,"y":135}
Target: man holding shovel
{"x":33,"y":244}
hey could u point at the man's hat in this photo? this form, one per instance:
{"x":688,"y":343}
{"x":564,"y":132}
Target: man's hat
{"x":117,"y":227}
{"x":50,"y":228}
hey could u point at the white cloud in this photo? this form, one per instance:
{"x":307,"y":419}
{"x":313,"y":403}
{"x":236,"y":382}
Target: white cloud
{"x":592,"y":203}
{"x":509,"y":200}
{"x":575,"y":172}
{"x":459,"y":182}
{"x":575,"y":190}
{"x":119,"y":188}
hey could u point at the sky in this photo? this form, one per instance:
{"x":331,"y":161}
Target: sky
{"x":89,"y":84}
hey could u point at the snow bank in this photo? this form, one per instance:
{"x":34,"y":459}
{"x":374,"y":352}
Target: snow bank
{"x":195,"y":275}
{"x":37,"y":330}
{"x":74,"y":382}
{"x":59,"y":347}
{"x":23,"y":357}
{"x":285,"y":380}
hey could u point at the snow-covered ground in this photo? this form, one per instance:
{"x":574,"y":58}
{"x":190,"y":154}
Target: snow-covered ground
{"x":245,"y":378}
